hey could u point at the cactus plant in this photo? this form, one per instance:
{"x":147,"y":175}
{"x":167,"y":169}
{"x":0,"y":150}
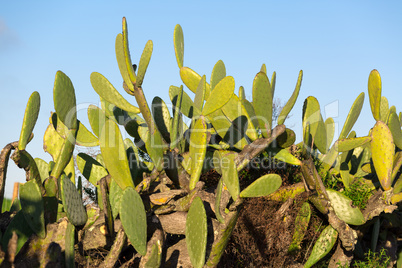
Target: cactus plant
{"x":72,"y":202}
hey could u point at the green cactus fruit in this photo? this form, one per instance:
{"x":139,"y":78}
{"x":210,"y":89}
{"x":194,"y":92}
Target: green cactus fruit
{"x":235,"y":111}
{"x":43,"y":168}
{"x":323,"y":246}
{"x":263,"y":186}
{"x":200,"y":93}
{"x":32,"y":207}
{"x":286,"y":139}
{"x":72,"y":202}
{"x":133,"y":219}
{"x":162,"y":118}
{"x":291,"y":102}
{"x":352,"y":116}
{"x":384,"y":109}
{"x":127,"y":58}
{"x":250,"y":111}
{"x":20,"y":226}
{"x":69,"y":246}
{"x":242,"y":94}
{"x":121,"y":61}
{"x":382,"y":150}
{"x":187,"y":105}
{"x":262,"y":102}
{"x":114,"y":154}
{"x":198,"y":149}
{"x":220,"y":95}
{"x":64,"y":100}
{"x":229,"y":174}
{"x":374,"y":90}
{"x":343,"y":208}
{"x":178,"y":41}
{"x":144,"y":61}
{"x":196,"y":233}
{"x":115,"y":194}
{"x":29,"y":121}
{"x":218,"y":196}
{"x":348,"y":144}
{"x":218,"y":73}
{"x":91,"y":169}
{"x":192,"y":79}
{"x":285,"y":156}
{"x":106,"y":90}
{"x":395,"y":128}
{"x":301,"y":224}
{"x":330,"y":130}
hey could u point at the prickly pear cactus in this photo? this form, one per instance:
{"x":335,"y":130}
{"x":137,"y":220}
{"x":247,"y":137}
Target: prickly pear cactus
{"x":72,"y":202}
{"x":324,"y":244}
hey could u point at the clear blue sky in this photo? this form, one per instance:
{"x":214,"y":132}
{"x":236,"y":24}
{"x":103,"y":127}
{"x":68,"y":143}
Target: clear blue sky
{"x":335,"y":43}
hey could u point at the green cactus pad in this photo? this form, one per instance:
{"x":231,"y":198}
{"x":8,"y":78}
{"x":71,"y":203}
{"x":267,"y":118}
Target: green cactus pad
{"x":323,"y":246}
{"x":263,"y":186}
{"x":262,"y":102}
{"x":133,"y":219}
{"x":352,"y":116}
{"x":106,"y":90}
{"x":286,"y":139}
{"x":343,"y":208}
{"x":30,"y":117}
{"x":155,"y":256}
{"x":395,"y":128}
{"x":20,"y":226}
{"x":127,"y":58}
{"x":121,"y":61}
{"x":285,"y":156}
{"x":32,"y":207}
{"x":85,"y":137}
{"x":218,"y":73}
{"x":91,"y":169}
{"x":178,"y":41}
{"x":162,"y":117}
{"x":330,"y":130}
{"x":301,"y":224}
{"x":43,"y":168}
{"x":198,"y":149}
{"x":374,"y":90}
{"x":384,"y":109}
{"x":187,"y":105}
{"x":263,"y":68}
{"x":114,"y":154}
{"x":242,"y":93}
{"x":221,"y":94}
{"x":200,"y":93}
{"x":320,"y":137}
{"x":69,"y":246}
{"x":348,"y":144}
{"x":64,"y":100}
{"x":218,"y":195}
{"x":191,"y":79}
{"x":144,"y":61}
{"x":291,"y":102}
{"x":96,"y":119}
{"x":196,"y":233}
{"x":250,"y":111}
{"x":115,"y":194}
{"x":229,"y":174}
{"x":235,"y":112}
{"x":382,"y":150}
{"x":311,"y":115}
{"x":72,"y":202}
{"x":154,"y":145}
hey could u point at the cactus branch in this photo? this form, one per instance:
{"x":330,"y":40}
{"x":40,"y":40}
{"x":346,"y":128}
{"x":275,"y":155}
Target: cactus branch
{"x":4,"y":157}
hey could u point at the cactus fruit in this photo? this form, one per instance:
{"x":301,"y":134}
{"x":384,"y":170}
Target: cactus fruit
{"x":72,"y":202}
{"x":133,"y":219}
{"x":262,"y":102}
{"x":114,"y":154}
{"x":196,"y":233}
{"x":343,"y":209}
{"x":29,"y":121}
{"x":144,"y":61}
{"x":323,"y":246}
{"x":374,"y":90}
{"x":178,"y":41}
{"x":382,"y":150}
{"x":263,"y":186}
{"x":32,"y":207}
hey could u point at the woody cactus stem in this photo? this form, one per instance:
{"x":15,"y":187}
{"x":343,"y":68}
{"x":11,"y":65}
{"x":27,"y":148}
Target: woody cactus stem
{"x":4,"y":157}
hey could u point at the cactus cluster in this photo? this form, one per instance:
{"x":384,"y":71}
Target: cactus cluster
{"x":153,"y":178}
